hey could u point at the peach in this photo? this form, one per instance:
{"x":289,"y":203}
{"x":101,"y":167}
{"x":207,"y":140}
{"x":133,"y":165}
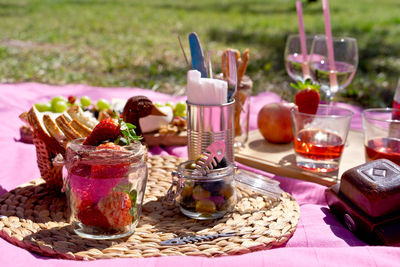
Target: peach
{"x":274,"y":122}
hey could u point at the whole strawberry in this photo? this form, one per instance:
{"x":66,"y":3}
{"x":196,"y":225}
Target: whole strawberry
{"x":116,"y":207}
{"x":89,"y":214}
{"x":307,"y":98}
{"x":112,"y":130}
{"x":107,"y":129}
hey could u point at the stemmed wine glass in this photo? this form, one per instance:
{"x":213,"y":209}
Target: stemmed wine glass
{"x":296,"y":66}
{"x":333,"y":76}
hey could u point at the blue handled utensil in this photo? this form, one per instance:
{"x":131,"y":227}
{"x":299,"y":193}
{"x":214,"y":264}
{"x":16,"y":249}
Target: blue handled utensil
{"x":196,"y":52}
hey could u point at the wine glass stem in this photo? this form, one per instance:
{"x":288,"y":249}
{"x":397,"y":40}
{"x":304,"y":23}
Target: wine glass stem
{"x":333,"y":86}
{"x":329,"y":100}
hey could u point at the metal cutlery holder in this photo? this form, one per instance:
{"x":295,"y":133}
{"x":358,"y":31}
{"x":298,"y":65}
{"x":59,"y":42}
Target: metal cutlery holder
{"x":207,"y":124}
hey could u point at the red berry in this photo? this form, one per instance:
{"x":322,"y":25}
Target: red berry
{"x":116,"y":208}
{"x":109,"y":171}
{"x":89,"y":214}
{"x":109,"y":145}
{"x":307,"y":101}
{"x":107,"y":129}
{"x":71,"y":99}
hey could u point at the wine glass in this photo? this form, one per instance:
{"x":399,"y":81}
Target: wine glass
{"x":296,"y":66}
{"x":333,"y":76}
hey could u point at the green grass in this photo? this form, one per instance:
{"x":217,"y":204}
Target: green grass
{"x":134,"y":42}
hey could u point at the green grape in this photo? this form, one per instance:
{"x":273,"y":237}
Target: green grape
{"x":56,"y":99}
{"x":102,"y":104}
{"x":85,"y":101}
{"x":180,"y":109}
{"x":59,"y":106}
{"x":42,"y":107}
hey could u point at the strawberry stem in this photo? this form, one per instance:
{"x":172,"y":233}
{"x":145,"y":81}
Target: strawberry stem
{"x":128,"y":133}
{"x":307,"y":84}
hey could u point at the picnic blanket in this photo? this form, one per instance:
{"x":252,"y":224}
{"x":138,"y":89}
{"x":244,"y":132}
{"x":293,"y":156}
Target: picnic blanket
{"x":319,"y":240}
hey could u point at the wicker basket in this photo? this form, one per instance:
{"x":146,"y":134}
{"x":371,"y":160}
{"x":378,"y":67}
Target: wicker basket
{"x":49,"y":171}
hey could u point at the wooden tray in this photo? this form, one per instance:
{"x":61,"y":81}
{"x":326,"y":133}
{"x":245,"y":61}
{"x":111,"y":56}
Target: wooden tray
{"x":157,"y":139}
{"x":281,"y":160}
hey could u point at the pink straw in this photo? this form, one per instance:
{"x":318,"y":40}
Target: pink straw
{"x":303,"y":45}
{"x":331,"y":55}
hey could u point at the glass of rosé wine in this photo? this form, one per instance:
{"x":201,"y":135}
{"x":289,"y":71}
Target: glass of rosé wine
{"x":381,"y":128}
{"x":319,"y":138}
{"x":335,"y":75}
{"x":296,"y":65}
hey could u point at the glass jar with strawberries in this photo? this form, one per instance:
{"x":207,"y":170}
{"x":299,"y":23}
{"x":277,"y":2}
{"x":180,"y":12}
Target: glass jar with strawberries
{"x":106,"y":180}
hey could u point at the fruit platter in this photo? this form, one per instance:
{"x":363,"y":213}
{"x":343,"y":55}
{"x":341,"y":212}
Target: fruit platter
{"x":163,"y":124}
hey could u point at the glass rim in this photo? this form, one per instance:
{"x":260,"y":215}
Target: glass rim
{"x":379,"y":111}
{"x":135,"y":149}
{"x":293,"y":35}
{"x":349,"y":113}
{"x":336,"y":38}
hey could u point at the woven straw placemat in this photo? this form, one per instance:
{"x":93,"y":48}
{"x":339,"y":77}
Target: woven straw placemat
{"x":34,"y":218}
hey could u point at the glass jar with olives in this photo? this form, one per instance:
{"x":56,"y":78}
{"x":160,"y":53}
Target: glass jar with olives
{"x":204,"y":197}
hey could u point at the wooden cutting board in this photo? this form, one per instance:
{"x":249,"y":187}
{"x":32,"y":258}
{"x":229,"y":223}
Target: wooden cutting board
{"x":281,"y":160}
{"x":157,"y":139}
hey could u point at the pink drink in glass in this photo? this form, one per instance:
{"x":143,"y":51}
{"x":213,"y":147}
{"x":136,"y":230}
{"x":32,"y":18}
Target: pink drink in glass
{"x":383,"y":148}
{"x":319,"y":145}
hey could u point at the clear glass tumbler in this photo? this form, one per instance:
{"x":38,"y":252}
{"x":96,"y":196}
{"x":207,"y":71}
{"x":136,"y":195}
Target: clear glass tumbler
{"x":319,"y":138}
{"x":381,"y":134}
{"x":105,"y":189}
{"x":204,"y":197}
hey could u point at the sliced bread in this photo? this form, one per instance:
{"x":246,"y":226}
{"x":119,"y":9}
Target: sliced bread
{"x":80,"y":128}
{"x":54,"y":130}
{"x":63,"y":124}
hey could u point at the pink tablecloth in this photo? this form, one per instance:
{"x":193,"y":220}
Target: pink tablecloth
{"x":319,"y":240}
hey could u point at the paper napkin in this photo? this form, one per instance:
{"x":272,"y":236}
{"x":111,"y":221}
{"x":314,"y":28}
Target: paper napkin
{"x":204,"y":90}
